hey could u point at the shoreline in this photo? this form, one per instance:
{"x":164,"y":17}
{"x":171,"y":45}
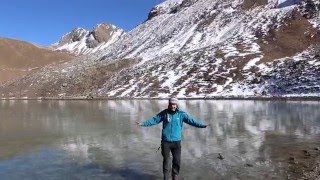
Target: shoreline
{"x":309,"y":98}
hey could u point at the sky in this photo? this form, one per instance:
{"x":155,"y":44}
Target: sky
{"x":44,"y":22}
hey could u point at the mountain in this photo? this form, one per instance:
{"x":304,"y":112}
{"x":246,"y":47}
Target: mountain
{"x":197,"y":49}
{"x":82,"y":42}
{"x":18,"y":58}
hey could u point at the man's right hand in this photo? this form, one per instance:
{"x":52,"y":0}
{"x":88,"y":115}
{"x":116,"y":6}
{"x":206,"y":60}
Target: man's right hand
{"x":138,"y":123}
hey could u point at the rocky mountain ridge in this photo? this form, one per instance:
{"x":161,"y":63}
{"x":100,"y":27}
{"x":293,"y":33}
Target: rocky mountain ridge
{"x":82,"y":42}
{"x":19,"y":58}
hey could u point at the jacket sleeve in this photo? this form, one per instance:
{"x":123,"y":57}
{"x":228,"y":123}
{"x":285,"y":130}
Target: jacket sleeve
{"x":189,"y":120}
{"x":153,"y":121}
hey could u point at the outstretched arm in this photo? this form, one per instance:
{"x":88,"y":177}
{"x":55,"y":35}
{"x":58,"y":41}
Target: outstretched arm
{"x":191,"y":121}
{"x":150,"y":122}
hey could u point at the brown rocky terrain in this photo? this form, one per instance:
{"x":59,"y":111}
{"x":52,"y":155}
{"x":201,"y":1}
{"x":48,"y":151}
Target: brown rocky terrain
{"x":18,"y":58}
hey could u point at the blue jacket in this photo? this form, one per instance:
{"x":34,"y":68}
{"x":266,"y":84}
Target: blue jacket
{"x":172,"y":123}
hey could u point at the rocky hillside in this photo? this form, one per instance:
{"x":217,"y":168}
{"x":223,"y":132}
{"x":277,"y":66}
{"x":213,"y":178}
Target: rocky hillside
{"x":80,"y":41}
{"x":197,"y":49}
{"x":18,"y":58}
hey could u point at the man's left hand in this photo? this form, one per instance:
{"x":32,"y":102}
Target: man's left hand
{"x":138,"y":123}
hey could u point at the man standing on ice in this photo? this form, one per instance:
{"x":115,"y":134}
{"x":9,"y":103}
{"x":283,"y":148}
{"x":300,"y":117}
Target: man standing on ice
{"x":172,"y":120}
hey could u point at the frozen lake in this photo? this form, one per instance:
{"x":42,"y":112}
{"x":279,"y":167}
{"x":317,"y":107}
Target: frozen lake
{"x":99,"y":140}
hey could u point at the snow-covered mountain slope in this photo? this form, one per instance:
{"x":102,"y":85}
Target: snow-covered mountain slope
{"x":80,"y":41}
{"x":198,"y":48}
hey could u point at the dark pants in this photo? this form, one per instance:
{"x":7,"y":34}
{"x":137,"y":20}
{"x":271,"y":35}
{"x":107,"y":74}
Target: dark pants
{"x":175,"y":149}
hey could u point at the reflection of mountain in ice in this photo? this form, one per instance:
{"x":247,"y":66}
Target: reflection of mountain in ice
{"x":237,"y":130}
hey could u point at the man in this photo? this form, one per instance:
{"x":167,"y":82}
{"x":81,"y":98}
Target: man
{"x":172,"y":120}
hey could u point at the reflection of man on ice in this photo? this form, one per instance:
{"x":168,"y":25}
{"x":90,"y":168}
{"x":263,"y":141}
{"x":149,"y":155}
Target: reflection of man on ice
{"x":172,"y":120}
